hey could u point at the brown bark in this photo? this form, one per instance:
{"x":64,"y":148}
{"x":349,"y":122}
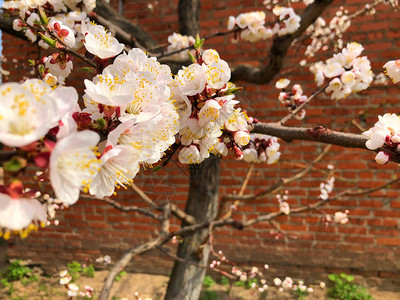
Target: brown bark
{"x":186,"y":279}
{"x":189,"y":17}
{"x":137,"y":33}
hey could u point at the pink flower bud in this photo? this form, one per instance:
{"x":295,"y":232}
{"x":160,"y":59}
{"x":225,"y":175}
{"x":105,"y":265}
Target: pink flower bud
{"x":382,"y":158}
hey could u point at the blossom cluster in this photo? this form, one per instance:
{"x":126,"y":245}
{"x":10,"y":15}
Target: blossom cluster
{"x":253,"y":28}
{"x":271,"y":3}
{"x":130,"y":103}
{"x":70,"y":30}
{"x":134,"y":104}
{"x":322,"y":34}
{"x":106,"y":260}
{"x":72,"y":288}
{"x":250,"y":275}
{"x":326,"y":187}
{"x":25,"y":7}
{"x":177,"y":42}
{"x":386,"y":135}
{"x":261,"y":148}
{"x":337,"y":218}
{"x":347,"y":71}
{"x":341,"y":217}
{"x":283,"y":204}
{"x":209,"y":123}
{"x":288,"y":284}
{"x":293,"y":98}
{"x":66,"y":26}
{"x":132,"y":92}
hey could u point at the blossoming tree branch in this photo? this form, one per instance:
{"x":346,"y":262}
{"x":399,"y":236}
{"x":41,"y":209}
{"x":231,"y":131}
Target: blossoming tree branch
{"x":138,"y":113}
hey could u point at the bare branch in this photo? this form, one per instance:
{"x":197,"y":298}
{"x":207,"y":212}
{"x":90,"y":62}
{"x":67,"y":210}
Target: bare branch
{"x":281,"y":182}
{"x":125,"y":27}
{"x":316,"y":134}
{"x":180,"y":214}
{"x":241,"y":192}
{"x":6,"y":155}
{"x":320,"y":203}
{"x":120,"y":207}
{"x":144,"y":197}
{"x":176,"y":211}
{"x":323,"y":135}
{"x":119,"y":266}
{"x":6,"y":25}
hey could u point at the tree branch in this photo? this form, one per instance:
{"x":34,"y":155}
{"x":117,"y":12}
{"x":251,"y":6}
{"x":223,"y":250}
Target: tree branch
{"x":176,"y":211}
{"x":120,"y":207}
{"x":281,"y":182}
{"x":279,"y":48}
{"x":6,"y":155}
{"x":316,"y":134}
{"x":124,"y":261}
{"x":127,"y":31}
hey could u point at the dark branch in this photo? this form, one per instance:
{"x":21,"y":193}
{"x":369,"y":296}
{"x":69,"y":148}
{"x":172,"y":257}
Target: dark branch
{"x":316,"y":134}
{"x":322,"y":135}
{"x":279,"y":48}
{"x":130,"y":33}
{"x":6,"y":22}
{"x":6,"y":155}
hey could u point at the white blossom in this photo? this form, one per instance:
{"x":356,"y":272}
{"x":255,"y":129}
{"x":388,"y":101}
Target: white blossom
{"x":73,"y":165}
{"x":99,"y":42}
{"x":393,"y":70}
{"x":18,"y":213}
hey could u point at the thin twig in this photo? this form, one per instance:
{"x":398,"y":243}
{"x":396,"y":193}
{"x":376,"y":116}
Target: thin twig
{"x":123,"y":208}
{"x":241,"y":192}
{"x":320,"y":203}
{"x":119,"y":266}
{"x":301,"y":106}
{"x":281,"y":182}
{"x":177,"y":212}
{"x":303,"y":166}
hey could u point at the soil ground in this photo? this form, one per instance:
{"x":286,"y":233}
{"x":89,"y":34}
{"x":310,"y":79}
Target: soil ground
{"x":150,"y":286}
{"x":153,"y":286}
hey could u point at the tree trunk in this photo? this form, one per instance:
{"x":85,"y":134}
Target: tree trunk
{"x":186,"y":279}
{"x":188,"y":11}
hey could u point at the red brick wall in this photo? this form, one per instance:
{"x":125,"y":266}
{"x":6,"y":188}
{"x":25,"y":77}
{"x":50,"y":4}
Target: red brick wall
{"x":368,"y":245}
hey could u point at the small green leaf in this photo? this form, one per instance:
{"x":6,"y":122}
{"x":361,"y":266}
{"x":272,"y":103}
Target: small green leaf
{"x":332,"y":277}
{"x":233,"y":90}
{"x":101,"y":124}
{"x":15,"y":164}
{"x":48,"y":40}
{"x":43,"y":17}
{"x":208,"y":282}
{"x":198,"y":42}
{"x":157,"y":168}
{"x":192,"y":58}
{"x":31,"y":62}
{"x":89,"y":69}
{"x":41,"y":69}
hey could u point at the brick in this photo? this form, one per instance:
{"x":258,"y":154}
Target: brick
{"x":388,"y":241}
